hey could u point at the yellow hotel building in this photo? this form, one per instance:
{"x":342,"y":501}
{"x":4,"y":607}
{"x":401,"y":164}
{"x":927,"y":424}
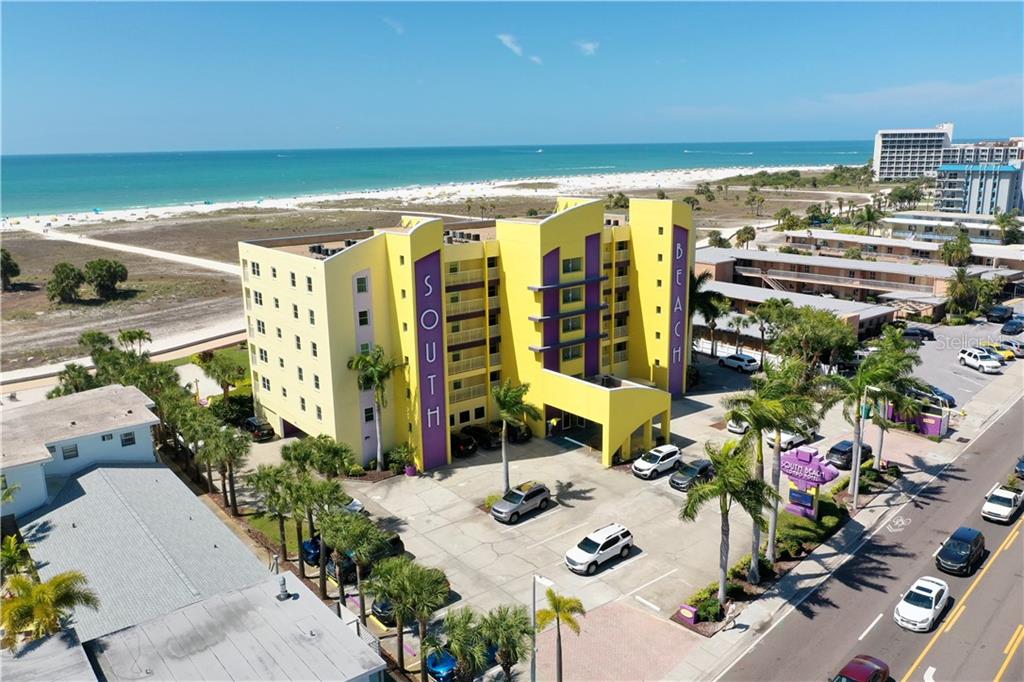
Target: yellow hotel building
{"x":589,"y":309}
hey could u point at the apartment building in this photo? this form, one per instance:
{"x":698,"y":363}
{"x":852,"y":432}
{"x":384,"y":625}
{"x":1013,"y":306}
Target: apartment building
{"x":989,"y":151}
{"x":941,"y":226}
{"x":829,"y":243}
{"x":589,"y":309}
{"x":909,"y":153}
{"x":980,"y":189}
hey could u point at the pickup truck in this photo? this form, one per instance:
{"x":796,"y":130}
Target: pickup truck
{"x":1001,"y":503}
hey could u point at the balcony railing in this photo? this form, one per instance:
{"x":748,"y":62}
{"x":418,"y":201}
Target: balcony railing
{"x":621,"y":330}
{"x":493,"y":302}
{"x":467,"y":393}
{"x":622,"y":255}
{"x":495,"y":359}
{"x":620,"y":306}
{"x":464,"y":276}
{"x":494,"y":330}
{"x":856,"y":282}
{"x":474,"y":305}
{"x":465,"y":336}
{"x":467,"y":365}
{"x":492,"y":273}
{"x":620,"y":356}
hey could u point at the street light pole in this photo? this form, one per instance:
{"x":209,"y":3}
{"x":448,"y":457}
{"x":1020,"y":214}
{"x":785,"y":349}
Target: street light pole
{"x":533,"y":623}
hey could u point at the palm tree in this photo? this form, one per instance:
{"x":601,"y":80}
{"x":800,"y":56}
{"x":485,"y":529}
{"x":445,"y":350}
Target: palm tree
{"x":770,"y":316}
{"x":513,"y":409}
{"x":737,"y":321}
{"x":197,"y":426}
{"x":361,"y":539}
{"x":128,"y":338}
{"x":702,"y":300}
{"x":561,"y":609}
{"x":330,"y":457}
{"x":465,"y":642}
{"x":325,"y":498}
{"x":960,"y":290}
{"x":269,"y":484}
{"x":426,"y":591}
{"x":225,"y":371}
{"x":720,"y":308}
{"x":35,"y":610}
{"x":868,"y":217}
{"x":508,"y":629}
{"x":745,"y":235}
{"x":234,"y":451}
{"x":375,"y":368}
{"x":14,"y":556}
{"x":95,"y":342}
{"x":210,"y":455}
{"x":957,"y":251}
{"x":388,"y":583}
{"x":731,"y":484}
{"x":1009,"y":226}
{"x":7,"y":493}
{"x":73,"y":378}
{"x":299,"y":491}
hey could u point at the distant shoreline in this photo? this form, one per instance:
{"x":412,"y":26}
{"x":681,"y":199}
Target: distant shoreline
{"x":597,"y":184}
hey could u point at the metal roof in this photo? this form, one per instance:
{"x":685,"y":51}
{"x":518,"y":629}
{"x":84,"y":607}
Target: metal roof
{"x":52,"y":659}
{"x":245,"y":634}
{"x":839,"y":306}
{"x":145,"y":542}
{"x":1015,"y":251}
{"x":979,"y":167}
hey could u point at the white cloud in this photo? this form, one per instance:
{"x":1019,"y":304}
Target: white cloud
{"x":511,"y":43}
{"x":588,"y":48}
{"x":535,"y":59}
{"x":395,"y":26}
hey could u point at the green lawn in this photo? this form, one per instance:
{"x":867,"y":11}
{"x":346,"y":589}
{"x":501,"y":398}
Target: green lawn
{"x":267,"y":525}
{"x":236,"y":353}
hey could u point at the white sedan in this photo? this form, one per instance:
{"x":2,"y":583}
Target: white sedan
{"x":741,"y":362}
{"x":922,"y":605}
{"x":659,"y":460}
{"x":789,"y":440}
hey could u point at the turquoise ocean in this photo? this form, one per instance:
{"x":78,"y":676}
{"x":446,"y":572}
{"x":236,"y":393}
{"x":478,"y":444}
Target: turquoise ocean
{"x":40,"y":184}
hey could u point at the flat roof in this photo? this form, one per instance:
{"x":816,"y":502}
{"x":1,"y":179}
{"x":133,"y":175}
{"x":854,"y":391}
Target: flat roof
{"x":55,"y":658}
{"x":920,"y":269}
{"x":28,"y":429}
{"x":952,"y":217}
{"x":978,"y":167}
{"x":989,"y":250}
{"x":143,"y":539}
{"x":839,"y":306}
{"x":244,"y":634}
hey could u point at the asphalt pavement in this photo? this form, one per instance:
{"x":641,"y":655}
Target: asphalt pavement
{"x":979,"y":636}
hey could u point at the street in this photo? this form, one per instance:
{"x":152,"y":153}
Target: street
{"x":977,"y":638}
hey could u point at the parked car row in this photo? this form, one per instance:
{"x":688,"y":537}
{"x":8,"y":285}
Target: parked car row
{"x":311,"y":556}
{"x":487,"y":436}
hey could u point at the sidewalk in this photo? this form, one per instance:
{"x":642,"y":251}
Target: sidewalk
{"x":712,"y":657}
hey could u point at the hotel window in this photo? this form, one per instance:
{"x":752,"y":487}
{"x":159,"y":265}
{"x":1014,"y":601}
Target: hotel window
{"x":405,"y":326}
{"x":368,"y":414}
{"x":302,"y":404}
{"x":657,"y":335}
{"x":295,"y":311}
{"x":298,"y":343}
{"x":69,"y":451}
{"x":572,"y":295}
{"x":478,"y":413}
{"x":621,"y":271}
{"x":661,"y":230}
{"x":312,"y":317}
{"x":659,"y":282}
{"x":364,"y":318}
{"x":279,"y":333}
{"x":572,"y":352}
{"x":107,"y":436}
{"x":456,"y":356}
{"x":255,"y":267}
{"x":312,"y":346}
{"x":316,"y":381}
{"x":456,"y":385}
{"x":453,"y":298}
{"x":403,"y":293}
{"x":260,"y":327}
{"x":364,"y":348}
{"x":570,"y":265}
{"x":263,"y":355}
{"x":257,"y":298}
{"x":280,"y":363}
{"x":463,"y":416}
{"x":298,"y":372}
{"x":273,"y":272}
{"x":492,"y":261}
{"x":401,"y":260}
{"x":319,"y":413}
{"x":265,"y":383}
{"x":127,"y":439}
{"x":572,"y":324}
{"x":495,"y":375}
{"x":660,"y":257}
{"x":453,"y":267}
{"x":284,"y":392}
{"x":451,"y":420}
{"x":456,"y":327}
{"x":292,"y":278}
{"x":309,"y":284}
{"x":657,"y":309}
{"x":621,"y":246}
{"x":361,"y":285}
{"x":277,"y":303}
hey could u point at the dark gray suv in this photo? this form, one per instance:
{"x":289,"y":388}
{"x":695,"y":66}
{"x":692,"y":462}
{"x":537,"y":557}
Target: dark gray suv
{"x":522,"y":499}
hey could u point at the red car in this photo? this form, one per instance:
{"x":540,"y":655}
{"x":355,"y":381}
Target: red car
{"x":863,"y":668}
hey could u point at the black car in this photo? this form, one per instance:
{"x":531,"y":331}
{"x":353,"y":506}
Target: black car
{"x":1019,"y":469}
{"x":486,"y":437}
{"x":691,"y":473}
{"x":462,"y":445}
{"x":517,"y":434}
{"x":1012,"y":327}
{"x":933,"y":395}
{"x":311,"y":555}
{"x":999,"y":313}
{"x":259,"y":429}
{"x":918,"y":334}
{"x":840,"y":455}
{"x":962,"y":552}
{"x":383,"y":611}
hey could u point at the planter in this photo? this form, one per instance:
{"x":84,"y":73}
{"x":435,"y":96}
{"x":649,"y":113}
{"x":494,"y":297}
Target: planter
{"x":410,"y":469}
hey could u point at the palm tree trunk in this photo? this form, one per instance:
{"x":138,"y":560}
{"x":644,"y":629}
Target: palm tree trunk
{"x":309,"y":522}
{"x":359,"y":589}
{"x":754,"y":573}
{"x":504,"y":452}
{"x":209,"y":479}
{"x":558,"y":650}
{"x":298,"y":543}
{"x":224,"y":484}
{"x":423,"y":658}
{"x":723,"y":553}
{"x":855,"y":464}
{"x":773,"y":513}
{"x":376,"y":426}
{"x":400,"y":627}
{"x":280,"y":531}
{"x":323,"y":568}
{"x":761,"y":329}
{"x":231,"y":485}
{"x":877,"y":464}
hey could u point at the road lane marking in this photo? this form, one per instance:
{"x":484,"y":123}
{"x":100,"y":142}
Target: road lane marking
{"x":647,"y":603}
{"x":963,"y":603}
{"x":567,"y":530}
{"x":929,"y":674}
{"x":956,"y":615}
{"x":650,"y":582}
{"x":868,"y":628}
{"x":1010,"y":650}
{"x":1016,"y":632}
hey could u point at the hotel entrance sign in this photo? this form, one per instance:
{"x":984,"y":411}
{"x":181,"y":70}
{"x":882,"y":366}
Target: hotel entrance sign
{"x":807,"y":471}
{"x":430,"y":353}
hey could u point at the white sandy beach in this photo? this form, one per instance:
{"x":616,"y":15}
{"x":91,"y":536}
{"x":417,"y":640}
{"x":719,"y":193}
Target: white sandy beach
{"x":455,"y":192}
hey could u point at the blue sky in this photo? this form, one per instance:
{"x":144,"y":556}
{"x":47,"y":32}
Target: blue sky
{"x":138,"y":77}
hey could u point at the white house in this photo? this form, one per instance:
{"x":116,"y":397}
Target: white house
{"x":58,"y":438}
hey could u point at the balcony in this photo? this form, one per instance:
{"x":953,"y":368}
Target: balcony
{"x":459,"y":395}
{"x":853,"y":282}
{"x":493,"y":303}
{"x":620,"y":330}
{"x":473,"y":305}
{"x":467,"y":365}
{"x":495,"y":359}
{"x":622,"y":255}
{"x":492,"y":273}
{"x":494,"y":331}
{"x":621,"y":306}
{"x":620,"y":356}
{"x":464,"y":276}
{"x":465,"y":336}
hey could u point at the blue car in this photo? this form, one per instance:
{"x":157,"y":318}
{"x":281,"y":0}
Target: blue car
{"x":441,"y":666}
{"x":1019,"y":469}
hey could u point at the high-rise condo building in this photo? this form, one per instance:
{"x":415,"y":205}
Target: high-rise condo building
{"x":908,"y":153}
{"x":989,"y":151}
{"x":983,"y":188}
{"x":589,"y":309}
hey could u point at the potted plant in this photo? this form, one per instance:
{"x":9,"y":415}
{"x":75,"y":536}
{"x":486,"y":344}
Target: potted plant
{"x":405,"y":454}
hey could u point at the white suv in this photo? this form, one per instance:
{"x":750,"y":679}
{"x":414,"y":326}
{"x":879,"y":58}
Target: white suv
{"x":975,"y":359}
{"x":659,"y":460}
{"x":614,"y":540}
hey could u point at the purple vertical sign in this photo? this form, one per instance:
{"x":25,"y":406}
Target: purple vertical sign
{"x":592,"y":349}
{"x":677,"y":334}
{"x":430,"y":351}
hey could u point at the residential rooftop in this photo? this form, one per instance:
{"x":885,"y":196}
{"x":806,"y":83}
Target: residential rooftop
{"x":57,"y":658}
{"x":147,"y":544}
{"x":987,"y":250}
{"x":978,"y":167}
{"x":943,"y":217}
{"x":841,"y":307}
{"x":244,"y":634}
{"x":28,"y":429}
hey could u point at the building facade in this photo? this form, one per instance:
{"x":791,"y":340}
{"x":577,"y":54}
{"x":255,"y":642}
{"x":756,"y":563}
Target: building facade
{"x":989,"y":151}
{"x":589,"y":310}
{"x":941,"y":226}
{"x":909,"y":153}
{"x":984,"y":189}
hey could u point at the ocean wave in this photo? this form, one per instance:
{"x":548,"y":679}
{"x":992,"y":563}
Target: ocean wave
{"x":584,"y":168}
{"x":699,"y":151}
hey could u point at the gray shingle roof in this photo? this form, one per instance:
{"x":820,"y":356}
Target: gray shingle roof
{"x":53,"y":659}
{"x":146,"y":543}
{"x":245,"y":634}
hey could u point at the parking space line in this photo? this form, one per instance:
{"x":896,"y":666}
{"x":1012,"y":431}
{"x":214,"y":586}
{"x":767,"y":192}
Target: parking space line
{"x":868,"y":628}
{"x":647,"y":603}
{"x":651,"y":582}
{"x":567,"y":530}
{"x":627,"y":561}
{"x":542,"y":515}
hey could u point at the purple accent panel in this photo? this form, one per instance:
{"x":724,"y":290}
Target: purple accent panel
{"x":551,"y":304}
{"x":592,"y":321}
{"x":677,"y":320}
{"x":430,"y":352}
{"x":927,"y":424}
{"x":364,"y":301}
